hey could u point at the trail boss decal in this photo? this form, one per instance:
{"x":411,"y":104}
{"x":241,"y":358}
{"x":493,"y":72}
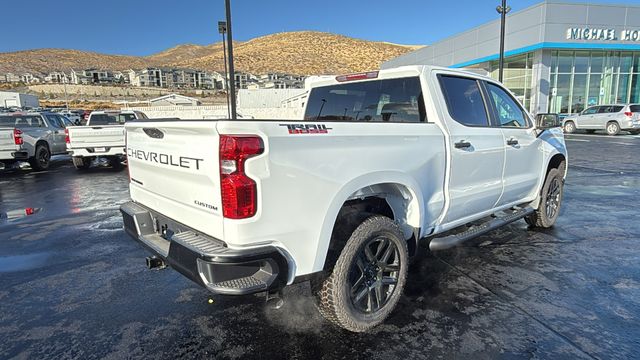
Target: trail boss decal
{"x":307,"y":128}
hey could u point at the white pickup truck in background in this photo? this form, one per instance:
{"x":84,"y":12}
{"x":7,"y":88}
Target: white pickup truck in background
{"x":101,"y":137}
{"x":381,"y":162}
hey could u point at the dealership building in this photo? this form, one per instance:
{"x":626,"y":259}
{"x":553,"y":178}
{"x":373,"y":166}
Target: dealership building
{"x":559,"y":56}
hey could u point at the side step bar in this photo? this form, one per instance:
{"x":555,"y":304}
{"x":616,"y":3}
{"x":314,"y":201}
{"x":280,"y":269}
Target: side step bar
{"x":447,"y":242}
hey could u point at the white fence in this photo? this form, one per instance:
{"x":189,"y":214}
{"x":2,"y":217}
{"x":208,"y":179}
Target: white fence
{"x":217,"y":112}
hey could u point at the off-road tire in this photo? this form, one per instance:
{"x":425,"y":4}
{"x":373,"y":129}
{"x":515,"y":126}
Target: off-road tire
{"x":116,"y":163}
{"x":41,"y":158}
{"x":539,"y":218}
{"x":81,"y":163}
{"x":334,"y":302}
{"x":613,"y":128}
{"x":569,"y":127}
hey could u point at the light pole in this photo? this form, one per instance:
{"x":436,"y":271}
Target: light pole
{"x":502,"y":10}
{"x":222,"y":29}
{"x":232,"y":75}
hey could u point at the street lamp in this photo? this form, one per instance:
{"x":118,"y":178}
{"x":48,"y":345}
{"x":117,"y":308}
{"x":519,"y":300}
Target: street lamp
{"x":502,"y":10}
{"x":222,"y":29}
{"x":232,"y":75}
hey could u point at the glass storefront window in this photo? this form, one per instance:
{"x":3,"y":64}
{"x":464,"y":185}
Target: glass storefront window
{"x":623,"y":88}
{"x":579,"y":91}
{"x":565,"y":61}
{"x":587,"y":78}
{"x":581,"y":64}
{"x":593,"y":95}
{"x":597,"y":61}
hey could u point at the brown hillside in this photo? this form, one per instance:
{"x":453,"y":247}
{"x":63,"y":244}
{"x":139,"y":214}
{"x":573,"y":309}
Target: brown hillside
{"x":303,"y":52}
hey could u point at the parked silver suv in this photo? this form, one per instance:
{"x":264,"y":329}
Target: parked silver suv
{"x":611,"y":118}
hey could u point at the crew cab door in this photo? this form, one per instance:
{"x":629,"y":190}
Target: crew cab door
{"x":523,"y":158}
{"x":586,"y":119}
{"x":477,"y":148}
{"x":56,"y":126}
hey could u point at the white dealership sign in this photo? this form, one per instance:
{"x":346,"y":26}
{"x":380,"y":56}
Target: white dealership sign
{"x":587,"y":33}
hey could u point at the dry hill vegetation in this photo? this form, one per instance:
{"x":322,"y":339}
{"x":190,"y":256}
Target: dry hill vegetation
{"x":302,"y":52}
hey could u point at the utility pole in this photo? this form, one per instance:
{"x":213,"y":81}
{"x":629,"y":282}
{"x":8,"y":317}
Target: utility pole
{"x":222,"y":29}
{"x":232,"y":75}
{"x":502,"y":10}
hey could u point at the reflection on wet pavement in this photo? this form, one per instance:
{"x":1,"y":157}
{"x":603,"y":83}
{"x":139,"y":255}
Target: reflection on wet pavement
{"x":75,"y":286}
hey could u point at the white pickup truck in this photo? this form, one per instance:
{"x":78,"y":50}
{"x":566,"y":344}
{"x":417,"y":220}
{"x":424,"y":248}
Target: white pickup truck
{"x":380,"y":162}
{"x":101,"y":137}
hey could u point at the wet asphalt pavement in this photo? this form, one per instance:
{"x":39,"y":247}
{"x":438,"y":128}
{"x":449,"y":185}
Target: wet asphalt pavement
{"x":73,"y":285}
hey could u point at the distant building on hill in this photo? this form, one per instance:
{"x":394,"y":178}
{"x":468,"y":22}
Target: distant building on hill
{"x":174,"y":100}
{"x":57,"y":77}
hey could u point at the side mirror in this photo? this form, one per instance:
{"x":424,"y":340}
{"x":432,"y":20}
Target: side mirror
{"x":547,"y":121}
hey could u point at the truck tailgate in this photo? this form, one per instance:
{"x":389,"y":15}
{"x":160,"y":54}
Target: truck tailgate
{"x":174,"y":170}
{"x":6,"y":140}
{"x":94,"y":136}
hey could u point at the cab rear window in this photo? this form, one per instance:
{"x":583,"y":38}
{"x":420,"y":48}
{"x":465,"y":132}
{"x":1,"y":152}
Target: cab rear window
{"x":21,"y":121}
{"x":391,"y":100}
{"x":110,"y":119}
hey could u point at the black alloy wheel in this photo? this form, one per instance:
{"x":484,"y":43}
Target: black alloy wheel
{"x":374,"y":275}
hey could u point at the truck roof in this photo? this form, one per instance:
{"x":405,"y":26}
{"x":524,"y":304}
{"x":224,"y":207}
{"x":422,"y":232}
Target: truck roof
{"x":392,"y":73}
{"x":98,"y":112}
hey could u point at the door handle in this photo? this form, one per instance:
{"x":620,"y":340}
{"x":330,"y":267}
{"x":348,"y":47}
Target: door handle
{"x":462,"y":144}
{"x":56,"y":132}
{"x":512,"y":142}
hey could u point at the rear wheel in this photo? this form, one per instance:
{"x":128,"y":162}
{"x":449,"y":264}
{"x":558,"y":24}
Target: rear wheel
{"x":550,"y":199}
{"x":613,"y":128}
{"x":81,"y":163}
{"x":115,"y":162}
{"x":368,"y":277}
{"x":569,"y":127}
{"x":41,"y":158}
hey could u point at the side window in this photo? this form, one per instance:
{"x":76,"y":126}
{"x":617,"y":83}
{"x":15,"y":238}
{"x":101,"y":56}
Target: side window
{"x":634,"y":108}
{"x":464,"y":100}
{"x":508,"y":112}
{"x":53,"y":121}
{"x":603,"y":109}
{"x":615,"y":109}
{"x":590,"y":111}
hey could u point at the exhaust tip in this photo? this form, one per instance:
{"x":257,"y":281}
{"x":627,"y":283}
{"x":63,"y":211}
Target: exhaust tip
{"x":154,"y":262}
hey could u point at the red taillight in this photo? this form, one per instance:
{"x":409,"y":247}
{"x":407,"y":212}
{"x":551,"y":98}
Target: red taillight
{"x":628,"y":113}
{"x":239,"y":192}
{"x":360,"y":76}
{"x":67,"y":139}
{"x":29,"y":211}
{"x":17,"y":137}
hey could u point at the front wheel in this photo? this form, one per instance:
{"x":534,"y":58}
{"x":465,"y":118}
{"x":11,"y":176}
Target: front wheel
{"x":550,"y":199}
{"x":368,"y":278}
{"x":569,"y":127}
{"x":41,"y":158}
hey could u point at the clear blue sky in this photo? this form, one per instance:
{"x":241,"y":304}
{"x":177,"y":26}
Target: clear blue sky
{"x":143,"y":27}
